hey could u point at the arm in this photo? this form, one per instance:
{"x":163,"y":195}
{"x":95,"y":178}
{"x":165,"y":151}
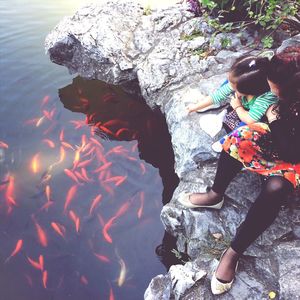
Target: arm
{"x":288,"y":145}
{"x":241,"y":112}
{"x":219,"y":96}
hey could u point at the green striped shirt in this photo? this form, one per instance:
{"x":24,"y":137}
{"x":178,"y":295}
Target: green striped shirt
{"x":257,"y":106}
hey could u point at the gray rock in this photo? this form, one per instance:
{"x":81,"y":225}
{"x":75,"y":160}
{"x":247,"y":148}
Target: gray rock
{"x":292,"y":42}
{"x":153,"y":54}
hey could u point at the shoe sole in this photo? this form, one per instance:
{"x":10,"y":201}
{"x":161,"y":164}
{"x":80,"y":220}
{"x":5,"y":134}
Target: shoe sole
{"x":184,"y":200}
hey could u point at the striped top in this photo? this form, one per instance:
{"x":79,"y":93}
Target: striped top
{"x":257,"y":106}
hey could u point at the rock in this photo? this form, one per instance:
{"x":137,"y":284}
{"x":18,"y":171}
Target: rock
{"x":168,"y":56}
{"x":292,"y":42}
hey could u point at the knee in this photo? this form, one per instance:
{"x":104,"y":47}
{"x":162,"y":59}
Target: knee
{"x":278,"y":186}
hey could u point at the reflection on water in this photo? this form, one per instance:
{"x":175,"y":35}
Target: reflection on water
{"x":120,"y":116}
{"x":75,"y":204}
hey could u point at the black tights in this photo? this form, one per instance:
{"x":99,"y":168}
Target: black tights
{"x":263,"y":211}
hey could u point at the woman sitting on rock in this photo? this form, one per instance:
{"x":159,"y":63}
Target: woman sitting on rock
{"x":271,"y":150}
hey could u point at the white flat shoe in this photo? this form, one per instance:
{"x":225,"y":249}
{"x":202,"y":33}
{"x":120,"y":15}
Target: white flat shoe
{"x":184,"y":199}
{"x":218,"y":287}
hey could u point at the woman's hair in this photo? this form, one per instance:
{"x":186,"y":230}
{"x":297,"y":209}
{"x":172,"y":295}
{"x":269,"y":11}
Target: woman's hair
{"x":249,"y":73}
{"x":282,"y":71}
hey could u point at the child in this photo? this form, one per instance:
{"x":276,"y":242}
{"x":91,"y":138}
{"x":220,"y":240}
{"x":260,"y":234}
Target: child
{"x":247,"y":81}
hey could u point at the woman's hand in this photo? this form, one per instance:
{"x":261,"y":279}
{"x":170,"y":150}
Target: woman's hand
{"x":235,"y":102}
{"x":272,"y":113}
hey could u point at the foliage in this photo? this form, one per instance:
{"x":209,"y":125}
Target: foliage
{"x":230,"y":15}
{"x":147,"y":10}
{"x":189,"y":37}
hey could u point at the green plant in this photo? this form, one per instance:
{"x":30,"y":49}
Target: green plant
{"x":235,"y":15}
{"x":225,"y":42}
{"x":189,"y":37}
{"x":147,"y":10}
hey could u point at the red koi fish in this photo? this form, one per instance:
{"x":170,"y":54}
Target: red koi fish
{"x":34,"y":263}
{"x":17,"y":249}
{"x":45,"y":279}
{"x":10,"y":191}
{"x":102,"y":258}
{"x":3,"y":145}
{"x":103,"y":167}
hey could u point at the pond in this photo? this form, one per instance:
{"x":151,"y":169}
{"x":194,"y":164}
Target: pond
{"x":84,"y":171}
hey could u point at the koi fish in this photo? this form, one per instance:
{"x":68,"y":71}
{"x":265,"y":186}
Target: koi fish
{"x":89,"y":152}
{"x":35,"y":163}
{"x":62,"y":135}
{"x":77,"y":225}
{"x":84,"y":280}
{"x":95,"y":202}
{"x":96,"y":142}
{"x":111,"y":295}
{"x":45,"y":279}
{"x":47,"y":205}
{"x":103,"y":167}
{"x":17,"y":249}
{"x":49,"y":143}
{"x":40,"y":121}
{"x":84,"y":163}
{"x":70,"y":195}
{"x":35,"y":264}
{"x":47,"y":192}
{"x":76,"y":159}
{"x":3,"y":145}
{"x":59,"y":229}
{"x":143,"y":168}
{"x":118,"y":180}
{"x":85,"y":176}
{"x":106,"y":228}
{"x":123,"y":272}
{"x":41,"y":235}
{"x":45,"y":100}
{"x":41,"y":261}
{"x":102,"y":258}
{"x":67,"y":145}
{"x":140,"y":210}
{"x":10,"y":191}
{"x":70,"y":174}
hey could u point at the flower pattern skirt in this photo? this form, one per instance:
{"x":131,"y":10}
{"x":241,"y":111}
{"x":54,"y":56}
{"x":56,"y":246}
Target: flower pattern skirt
{"x":245,"y":144}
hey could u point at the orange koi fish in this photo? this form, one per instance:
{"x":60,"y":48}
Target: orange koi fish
{"x":76,"y":159}
{"x":141,"y":208}
{"x":49,"y":143}
{"x":70,"y":174}
{"x":78,"y":124}
{"x":106,"y":228}
{"x":85,"y":176}
{"x":77,"y":225}
{"x":47,"y":114}
{"x":3,"y":145}
{"x":35,"y":264}
{"x":118,"y":180}
{"x":17,"y":249}
{"x":41,"y":235}
{"x":35,"y":163}
{"x":122,"y":131}
{"x":100,"y":156}
{"x":10,"y":191}
{"x":70,"y":195}
{"x":62,"y":135}
{"x":89,"y":152}
{"x":47,"y":205}
{"x":41,"y":261}
{"x":102,"y":258}
{"x":59,"y":229}
{"x":79,"y":176}
{"x":73,"y":216}
{"x":107,"y":188}
{"x":47,"y":192}
{"x":67,"y":145}
{"x":95,"y":202}
{"x":45,"y":100}
{"x":84,"y":163}
{"x":45,"y":279}
{"x":96,"y":142}
{"x":103,"y":167}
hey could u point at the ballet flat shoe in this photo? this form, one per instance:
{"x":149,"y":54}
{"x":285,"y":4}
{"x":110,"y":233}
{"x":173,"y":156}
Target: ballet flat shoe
{"x":218,"y":287}
{"x":184,"y":199}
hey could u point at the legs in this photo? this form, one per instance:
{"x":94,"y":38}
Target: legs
{"x":259,"y":217}
{"x":228,"y":167}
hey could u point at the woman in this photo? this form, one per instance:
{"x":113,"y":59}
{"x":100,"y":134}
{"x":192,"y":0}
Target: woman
{"x":273,"y":151}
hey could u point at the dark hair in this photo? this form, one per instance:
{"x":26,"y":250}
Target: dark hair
{"x":284,"y":71}
{"x":250,"y":75}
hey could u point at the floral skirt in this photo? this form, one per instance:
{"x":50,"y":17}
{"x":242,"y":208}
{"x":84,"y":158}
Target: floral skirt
{"x":245,"y":144}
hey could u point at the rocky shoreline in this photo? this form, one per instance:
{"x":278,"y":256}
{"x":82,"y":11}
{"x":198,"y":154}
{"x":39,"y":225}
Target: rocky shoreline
{"x":163,"y":55}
